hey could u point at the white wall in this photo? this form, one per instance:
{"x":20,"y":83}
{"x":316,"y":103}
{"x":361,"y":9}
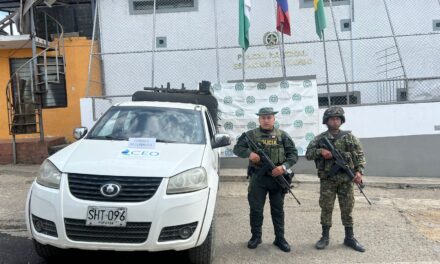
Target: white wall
{"x":130,"y":36}
{"x":364,"y":121}
{"x":390,"y":120}
{"x":86,"y":108}
{"x":97,"y":106}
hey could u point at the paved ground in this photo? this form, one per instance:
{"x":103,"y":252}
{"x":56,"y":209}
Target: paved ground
{"x":403,"y":225}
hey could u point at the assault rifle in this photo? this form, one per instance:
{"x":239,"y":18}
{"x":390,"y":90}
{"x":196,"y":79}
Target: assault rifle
{"x":340,"y":164}
{"x":268,"y":166}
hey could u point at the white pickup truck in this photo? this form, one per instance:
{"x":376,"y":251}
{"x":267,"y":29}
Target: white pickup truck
{"x":145,"y":177}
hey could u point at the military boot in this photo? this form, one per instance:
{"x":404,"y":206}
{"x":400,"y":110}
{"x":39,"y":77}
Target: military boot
{"x":325,"y":239}
{"x":254,"y":241}
{"x":282,"y":244}
{"x":350,"y":241}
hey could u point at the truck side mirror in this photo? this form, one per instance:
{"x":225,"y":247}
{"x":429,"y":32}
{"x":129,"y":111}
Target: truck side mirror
{"x":221,"y":140}
{"x":79,"y":132}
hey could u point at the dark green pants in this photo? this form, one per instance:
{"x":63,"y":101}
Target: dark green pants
{"x":341,"y":186}
{"x":259,"y":187}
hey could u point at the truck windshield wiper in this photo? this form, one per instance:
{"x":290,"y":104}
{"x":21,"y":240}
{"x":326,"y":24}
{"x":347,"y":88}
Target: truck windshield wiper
{"x":124,"y":138}
{"x":115,"y":137}
{"x":165,"y":141}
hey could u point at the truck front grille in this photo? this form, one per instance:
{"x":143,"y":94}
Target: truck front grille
{"x":133,"y":189}
{"x":133,"y":232}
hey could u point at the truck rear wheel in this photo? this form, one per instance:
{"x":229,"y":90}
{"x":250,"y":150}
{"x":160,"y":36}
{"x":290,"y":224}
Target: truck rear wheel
{"x":204,"y":254}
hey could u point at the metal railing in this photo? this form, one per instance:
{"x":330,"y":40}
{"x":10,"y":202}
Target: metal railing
{"x":25,"y":114}
{"x":371,"y":63}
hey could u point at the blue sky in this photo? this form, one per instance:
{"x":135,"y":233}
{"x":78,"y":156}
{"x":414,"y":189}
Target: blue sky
{"x":3,"y":15}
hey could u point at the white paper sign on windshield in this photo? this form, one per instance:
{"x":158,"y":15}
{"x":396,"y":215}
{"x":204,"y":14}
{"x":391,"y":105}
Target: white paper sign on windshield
{"x":142,"y":143}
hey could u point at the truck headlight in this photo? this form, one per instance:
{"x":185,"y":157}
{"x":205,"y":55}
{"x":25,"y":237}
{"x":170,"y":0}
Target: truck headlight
{"x":188,"y":181}
{"x":48,"y":175}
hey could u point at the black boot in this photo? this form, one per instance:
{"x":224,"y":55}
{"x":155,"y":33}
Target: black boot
{"x":282,"y":244}
{"x":254,"y":241}
{"x":350,"y":241}
{"x":325,"y":239}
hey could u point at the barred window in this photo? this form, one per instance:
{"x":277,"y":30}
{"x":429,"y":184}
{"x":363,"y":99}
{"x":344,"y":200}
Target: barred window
{"x":162,"y":6}
{"x":339,"y":98}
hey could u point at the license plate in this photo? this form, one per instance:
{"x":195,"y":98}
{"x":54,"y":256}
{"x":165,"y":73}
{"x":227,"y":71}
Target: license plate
{"x":106,"y":216}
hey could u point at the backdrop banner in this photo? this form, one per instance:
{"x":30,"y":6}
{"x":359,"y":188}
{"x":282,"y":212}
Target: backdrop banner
{"x":295,"y":101}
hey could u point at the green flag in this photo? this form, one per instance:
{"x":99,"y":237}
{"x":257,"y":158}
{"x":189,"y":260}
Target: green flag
{"x":243,"y":17}
{"x":320,"y":21}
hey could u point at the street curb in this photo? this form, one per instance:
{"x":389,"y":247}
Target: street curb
{"x":401,"y":185}
{"x":386,"y":185}
{"x":239,"y":175}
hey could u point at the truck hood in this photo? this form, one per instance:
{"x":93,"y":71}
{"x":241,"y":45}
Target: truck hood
{"x":107,"y":157}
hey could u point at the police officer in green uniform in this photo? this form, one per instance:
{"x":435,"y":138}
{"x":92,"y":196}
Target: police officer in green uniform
{"x":281,"y":150}
{"x":339,"y":184}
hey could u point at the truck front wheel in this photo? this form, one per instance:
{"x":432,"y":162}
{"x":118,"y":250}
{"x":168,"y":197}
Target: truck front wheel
{"x":204,"y":254}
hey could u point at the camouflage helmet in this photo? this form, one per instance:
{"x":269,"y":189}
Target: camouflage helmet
{"x":333,"y":111}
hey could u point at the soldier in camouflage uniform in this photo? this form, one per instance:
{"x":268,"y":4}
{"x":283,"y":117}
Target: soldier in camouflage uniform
{"x":339,"y":184}
{"x":281,"y":150}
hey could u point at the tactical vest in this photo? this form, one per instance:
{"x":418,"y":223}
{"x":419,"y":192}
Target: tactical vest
{"x":273,"y":144}
{"x":347,"y":151}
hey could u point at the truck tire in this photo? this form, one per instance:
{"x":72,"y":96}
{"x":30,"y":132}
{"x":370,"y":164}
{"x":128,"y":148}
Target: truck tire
{"x":204,"y":254}
{"x":46,"y":251}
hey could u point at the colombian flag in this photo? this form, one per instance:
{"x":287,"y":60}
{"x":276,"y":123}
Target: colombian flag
{"x":283,"y":17}
{"x":244,"y":23}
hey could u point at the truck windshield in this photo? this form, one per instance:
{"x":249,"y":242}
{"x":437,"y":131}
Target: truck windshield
{"x":170,"y":125}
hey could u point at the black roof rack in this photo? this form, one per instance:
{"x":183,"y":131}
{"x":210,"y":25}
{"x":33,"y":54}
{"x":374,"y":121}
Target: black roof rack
{"x":202,"y":96}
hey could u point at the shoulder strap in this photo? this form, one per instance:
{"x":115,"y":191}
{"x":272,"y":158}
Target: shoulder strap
{"x":280,"y":134}
{"x":251,"y":134}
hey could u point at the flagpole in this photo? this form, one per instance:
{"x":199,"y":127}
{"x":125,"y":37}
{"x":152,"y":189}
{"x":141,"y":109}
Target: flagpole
{"x":326,"y":68}
{"x":340,"y":53}
{"x":243,"y":60}
{"x":153,"y":44}
{"x":283,"y":57}
{"x":217,"y":56}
